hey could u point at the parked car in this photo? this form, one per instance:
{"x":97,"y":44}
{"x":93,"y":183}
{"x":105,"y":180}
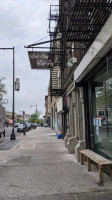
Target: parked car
{"x":35,"y":125}
{"x":16,"y":125}
{"x":21,"y":128}
{"x":45,"y":125}
{"x":28,"y":125}
{"x":105,"y":123}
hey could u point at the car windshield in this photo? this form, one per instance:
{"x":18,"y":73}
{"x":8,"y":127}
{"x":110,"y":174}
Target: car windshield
{"x":21,"y":125}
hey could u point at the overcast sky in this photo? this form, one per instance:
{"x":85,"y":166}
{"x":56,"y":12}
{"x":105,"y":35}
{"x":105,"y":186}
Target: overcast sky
{"x":23,"y":22}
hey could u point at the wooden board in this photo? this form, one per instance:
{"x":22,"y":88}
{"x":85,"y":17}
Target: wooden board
{"x":101,"y":161}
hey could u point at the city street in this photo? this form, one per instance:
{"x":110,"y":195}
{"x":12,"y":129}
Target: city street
{"x":56,"y":100}
{"x":39,"y":167}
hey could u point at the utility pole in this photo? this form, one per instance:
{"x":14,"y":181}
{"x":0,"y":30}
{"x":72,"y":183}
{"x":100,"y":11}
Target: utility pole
{"x":13,"y":137}
{"x":24,"y":125}
{"x":36,"y":108}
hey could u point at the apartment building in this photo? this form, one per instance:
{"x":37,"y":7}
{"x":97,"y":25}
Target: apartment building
{"x":81,"y":95}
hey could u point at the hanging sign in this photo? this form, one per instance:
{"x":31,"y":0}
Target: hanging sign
{"x":60,"y":105}
{"x":41,"y":60}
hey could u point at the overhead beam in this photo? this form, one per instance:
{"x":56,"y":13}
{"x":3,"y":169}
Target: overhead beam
{"x":48,"y":41}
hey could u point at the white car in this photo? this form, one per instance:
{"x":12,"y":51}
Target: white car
{"x":21,"y":128}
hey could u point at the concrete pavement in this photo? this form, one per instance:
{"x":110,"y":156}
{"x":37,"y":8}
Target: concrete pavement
{"x":39,"y":167}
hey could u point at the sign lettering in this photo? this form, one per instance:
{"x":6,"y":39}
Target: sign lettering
{"x":41,"y":60}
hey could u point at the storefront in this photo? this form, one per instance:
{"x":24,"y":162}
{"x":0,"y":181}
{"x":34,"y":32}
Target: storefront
{"x":98,"y":106}
{"x":94,"y":74}
{"x":63,"y":116}
{"x":59,"y":114}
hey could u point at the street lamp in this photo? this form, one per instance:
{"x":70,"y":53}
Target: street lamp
{"x":24,"y":125}
{"x":36,"y":107}
{"x":13,"y":137}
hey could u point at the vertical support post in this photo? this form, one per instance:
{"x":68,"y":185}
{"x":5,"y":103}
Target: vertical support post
{"x":89,"y":164}
{"x":82,"y":158}
{"x":51,"y":84}
{"x":111,"y":172}
{"x":24,"y":125}
{"x":36,"y":109}
{"x":13,"y":137}
{"x":101,"y":174}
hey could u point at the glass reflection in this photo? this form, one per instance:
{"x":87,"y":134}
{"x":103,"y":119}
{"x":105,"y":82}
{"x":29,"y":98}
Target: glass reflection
{"x":102,"y":113}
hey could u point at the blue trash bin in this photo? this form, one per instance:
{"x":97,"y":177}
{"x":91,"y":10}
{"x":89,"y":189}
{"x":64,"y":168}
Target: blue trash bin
{"x":59,"y":136}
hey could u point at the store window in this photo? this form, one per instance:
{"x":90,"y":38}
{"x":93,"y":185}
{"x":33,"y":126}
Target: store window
{"x":67,"y":123}
{"x":102,"y":111}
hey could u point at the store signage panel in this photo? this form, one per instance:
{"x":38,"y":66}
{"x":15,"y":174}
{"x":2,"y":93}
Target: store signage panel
{"x":41,"y":60}
{"x":60,"y":105}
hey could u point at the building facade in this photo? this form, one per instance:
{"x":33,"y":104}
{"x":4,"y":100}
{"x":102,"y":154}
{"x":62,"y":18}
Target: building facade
{"x":81,"y":102}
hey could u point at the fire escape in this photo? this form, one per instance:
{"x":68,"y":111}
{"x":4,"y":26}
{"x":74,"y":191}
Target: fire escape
{"x":78,"y":22}
{"x":55,"y":46}
{"x":85,"y":20}
{"x":81,"y":21}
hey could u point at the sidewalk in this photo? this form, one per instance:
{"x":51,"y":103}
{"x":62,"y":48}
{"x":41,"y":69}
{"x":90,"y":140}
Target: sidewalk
{"x":39,"y":167}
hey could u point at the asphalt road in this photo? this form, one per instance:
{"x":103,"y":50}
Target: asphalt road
{"x":8,"y":132}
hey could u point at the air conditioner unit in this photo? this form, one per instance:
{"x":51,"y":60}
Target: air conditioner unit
{"x":59,"y":35}
{"x":71,"y":61}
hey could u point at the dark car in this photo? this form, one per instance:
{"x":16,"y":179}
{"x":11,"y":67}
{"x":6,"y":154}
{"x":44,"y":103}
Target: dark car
{"x":28,"y":125}
{"x":106,"y":123}
{"x":35,"y":125}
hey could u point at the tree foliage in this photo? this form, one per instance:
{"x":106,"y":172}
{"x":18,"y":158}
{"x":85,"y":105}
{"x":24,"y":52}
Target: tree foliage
{"x":34,"y":118}
{"x":2,"y":90}
{"x":104,"y":96}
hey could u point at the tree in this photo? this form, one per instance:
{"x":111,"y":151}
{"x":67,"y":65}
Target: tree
{"x":40,"y":121}
{"x":2,"y":90}
{"x":20,"y":120}
{"x":34,"y":117}
{"x":104,"y":94}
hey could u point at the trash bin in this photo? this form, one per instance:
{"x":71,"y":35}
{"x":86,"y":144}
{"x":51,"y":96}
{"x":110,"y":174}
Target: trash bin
{"x":59,"y":135}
